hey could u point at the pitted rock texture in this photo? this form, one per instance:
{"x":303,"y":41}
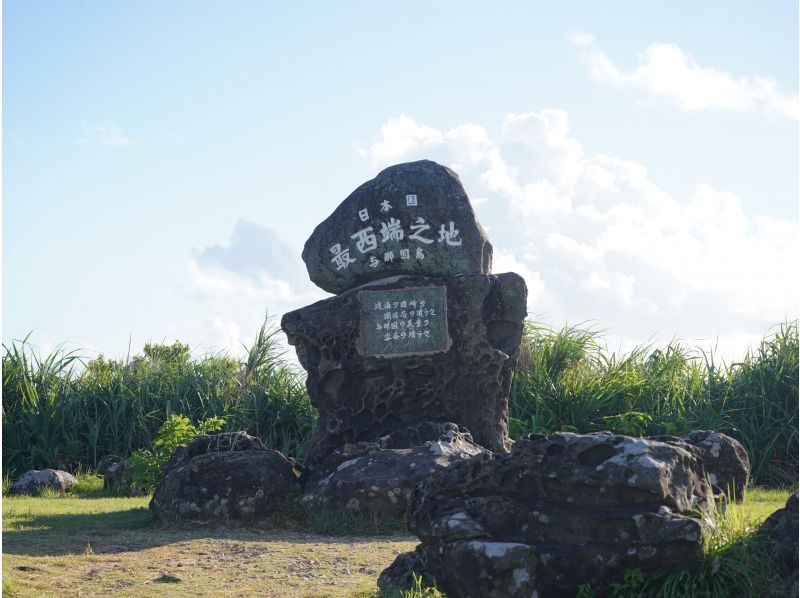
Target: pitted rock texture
{"x":400,"y":574}
{"x":780,"y":530}
{"x":379,"y":217}
{"x":379,"y":477}
{"x":723,"y":459}
{"x":224,"y":475}
{"x":360,"y":398}
{"x":556,"y":512}
{"x":34,"y":481}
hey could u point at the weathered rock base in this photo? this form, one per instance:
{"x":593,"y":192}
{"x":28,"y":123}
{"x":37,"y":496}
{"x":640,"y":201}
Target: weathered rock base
{"x":379,"y":477}
{"x":224,"y":475}
{"x":361,"y":397}
{"x":556,"y":512}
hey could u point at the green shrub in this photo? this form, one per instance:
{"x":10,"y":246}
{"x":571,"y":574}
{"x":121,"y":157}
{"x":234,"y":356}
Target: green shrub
{"x":567,"y":381}
{"x":59,"y":414}
{"x":59,"y":411}
{"x":176,"y":431}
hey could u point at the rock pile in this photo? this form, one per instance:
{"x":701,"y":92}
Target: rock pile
{"x":556,"y":512}
{"x":420,"y":334}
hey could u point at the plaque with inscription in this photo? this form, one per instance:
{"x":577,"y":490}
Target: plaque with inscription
{"x":399,"y":322}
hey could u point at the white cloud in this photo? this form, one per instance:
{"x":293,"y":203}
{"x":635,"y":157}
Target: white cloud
{"x":221,"y":285}
{"x":398,"y":136}
{"x":668,"y":71}
{"x":237,"y":283}
{"x":597,"y":240}
{"x":103,"y":134}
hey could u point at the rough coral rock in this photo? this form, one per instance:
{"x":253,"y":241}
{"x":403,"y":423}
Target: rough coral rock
{"x":118,"y":476}
{"x":780,"y":530}
{"x":559,"y":511}
{"x":723,"y":459}
{"x":379,"y":477}
{"x":419,"y":207}
{"x":34,"y":481}
{"x":361,"y":397}
{"x":224,"y":475}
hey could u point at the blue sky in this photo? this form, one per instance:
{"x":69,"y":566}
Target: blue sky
{"x":164,"y":162}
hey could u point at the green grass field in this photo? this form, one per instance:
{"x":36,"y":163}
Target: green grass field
{"x":89,"y":544}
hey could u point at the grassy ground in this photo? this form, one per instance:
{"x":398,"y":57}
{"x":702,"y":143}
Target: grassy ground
{"x":89,"y":544}
{"x":92,"y":545}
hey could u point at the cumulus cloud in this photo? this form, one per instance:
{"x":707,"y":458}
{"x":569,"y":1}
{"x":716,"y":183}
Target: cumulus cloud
{"x":598,"y":240}
{"x":255,"y":252}
{"x":103,"y":134}
{"x":237,"y":282}
{"x":666,"y":70}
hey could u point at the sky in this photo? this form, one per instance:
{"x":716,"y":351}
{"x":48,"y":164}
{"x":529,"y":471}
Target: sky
{"x":164,"y":162}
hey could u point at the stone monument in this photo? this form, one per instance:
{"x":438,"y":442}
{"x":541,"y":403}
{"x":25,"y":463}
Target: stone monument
{"x":420,"y":330}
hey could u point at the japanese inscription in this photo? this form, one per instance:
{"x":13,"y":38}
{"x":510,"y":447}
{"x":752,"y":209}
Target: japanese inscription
{"x":406,"y":321}
{"x":387,"y":239}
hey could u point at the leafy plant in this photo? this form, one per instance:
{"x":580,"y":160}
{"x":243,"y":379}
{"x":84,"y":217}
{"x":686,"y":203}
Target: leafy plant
{"x":176,"y":431}
{"x":61,"y":411}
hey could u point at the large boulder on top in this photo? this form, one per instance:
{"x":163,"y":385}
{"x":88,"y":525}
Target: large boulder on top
{"x":224,"y":475}
{"x":379,"y":477}
{"x":412,"y":218}
{"x":556,"y":512}
{"x":35,"y":480}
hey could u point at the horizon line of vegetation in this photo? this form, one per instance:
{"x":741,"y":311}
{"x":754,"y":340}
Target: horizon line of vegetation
{"x":62,"y":411}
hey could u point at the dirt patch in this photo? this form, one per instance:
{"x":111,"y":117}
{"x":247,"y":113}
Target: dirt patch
{"x":231,"y":563}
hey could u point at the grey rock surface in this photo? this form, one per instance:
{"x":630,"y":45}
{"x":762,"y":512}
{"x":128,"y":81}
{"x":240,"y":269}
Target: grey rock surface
{"x":361,"y":397}
{"x":723,"y":459}
{"x":379,"y":477}
{"x":556,"y":512}
{"x":118,"y":476}
{"x":400,"y":574}
{"x":780,"y":531}
{"x":224,"y":475}
{"x":412,"y":218}
{"x":35,"y":480}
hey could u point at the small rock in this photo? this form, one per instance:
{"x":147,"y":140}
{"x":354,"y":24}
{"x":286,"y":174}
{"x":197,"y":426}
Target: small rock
{"x":34,"y":481}
{"x":118,"y":476}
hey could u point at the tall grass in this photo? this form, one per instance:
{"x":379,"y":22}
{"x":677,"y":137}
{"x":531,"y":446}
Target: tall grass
{"x":567,"y":381}
{"x":56,"y":414}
